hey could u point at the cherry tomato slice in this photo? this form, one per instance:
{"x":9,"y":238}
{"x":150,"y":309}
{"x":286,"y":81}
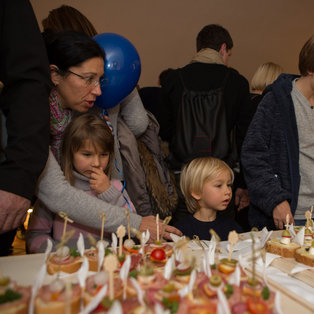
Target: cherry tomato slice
{"x":256,"y":306}
{"x":158,"y":255}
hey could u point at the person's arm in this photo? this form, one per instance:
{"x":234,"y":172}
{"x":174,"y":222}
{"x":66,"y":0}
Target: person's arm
{"x":134,"y":114}
{"x":113,"y":195}
{"x":58,"y":195}
{"x":264,"y":186}
{"x":24,"y":71}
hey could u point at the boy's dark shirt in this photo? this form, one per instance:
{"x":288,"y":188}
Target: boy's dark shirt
{"x":190,"y":226}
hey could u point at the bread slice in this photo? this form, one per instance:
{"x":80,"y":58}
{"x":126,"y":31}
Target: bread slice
{"x":302,"y":255}
{"x":53,"y":307}
{"x":286,"y":250}
{"x":50,"y":302}
{"x":21,"y":308}
{"x":70,"y":267}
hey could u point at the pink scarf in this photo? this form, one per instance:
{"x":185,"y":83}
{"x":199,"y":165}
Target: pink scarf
{"x":59,"y":119}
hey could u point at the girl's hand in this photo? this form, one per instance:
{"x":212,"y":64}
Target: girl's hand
{"x":99,"y":181}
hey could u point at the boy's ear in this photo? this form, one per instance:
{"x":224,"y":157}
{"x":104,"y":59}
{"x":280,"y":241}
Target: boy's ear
{"x":54,"y":74}
{"x":223,"y":49}
{"x":196,"y":195}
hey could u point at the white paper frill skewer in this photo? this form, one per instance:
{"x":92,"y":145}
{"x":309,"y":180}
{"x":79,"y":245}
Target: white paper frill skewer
{"x":80,"y":244}
{"x":96,"y":300}
{"x":208,"y":258}
{"x":175,"y":238}
{"x":159,"y":309}
{"x":264,"y":236}
{"x":39,"y":278}
{"x":48,"y":249}
{"x":223,"y":307}
{"x":292,"y":232}
{"x":235,"y":278}
{"x":114,"y":242}
{"x":116,"y":308}
{"x":169,"y":267}
{"x":144,"y":238}
{"x":299,"y":238}
{"x":101,"y":253}
{"x":139,"y":291}
{"x":124,"y":272}
{"x":83,"y":272}
{"x":189,"y":287}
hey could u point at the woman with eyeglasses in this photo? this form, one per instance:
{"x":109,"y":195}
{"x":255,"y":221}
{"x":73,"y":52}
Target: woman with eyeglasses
{"x":77,"y":69}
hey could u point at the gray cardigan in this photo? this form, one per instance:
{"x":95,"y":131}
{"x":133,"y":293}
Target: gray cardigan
{"x":56,"y":193}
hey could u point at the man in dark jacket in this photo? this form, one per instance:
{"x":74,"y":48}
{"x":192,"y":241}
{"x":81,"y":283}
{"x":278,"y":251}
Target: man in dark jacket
{"x":24,"y":71}
{"x":206,"y":72}
{"x":278,"y":151}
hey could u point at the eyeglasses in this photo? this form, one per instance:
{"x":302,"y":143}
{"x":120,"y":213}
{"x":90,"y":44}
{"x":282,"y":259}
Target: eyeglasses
{"x":90,"y":81}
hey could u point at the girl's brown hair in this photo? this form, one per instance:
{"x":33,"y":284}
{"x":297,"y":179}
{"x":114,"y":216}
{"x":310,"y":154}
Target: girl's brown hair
{"x":68,"y":18}
{"x":306,"y":57}
{"x":87,"y":126}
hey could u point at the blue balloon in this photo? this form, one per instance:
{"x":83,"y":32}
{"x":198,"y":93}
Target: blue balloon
{"x":122,"y":69}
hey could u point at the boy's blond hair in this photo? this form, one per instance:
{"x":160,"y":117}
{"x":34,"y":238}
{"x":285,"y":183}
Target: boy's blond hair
{"x":196,"y":173}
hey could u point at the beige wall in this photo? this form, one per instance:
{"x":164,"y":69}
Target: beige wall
{"x":164,"y":31}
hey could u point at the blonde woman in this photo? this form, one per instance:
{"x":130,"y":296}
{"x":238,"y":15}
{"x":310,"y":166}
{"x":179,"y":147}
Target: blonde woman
{"x":265,"y":75}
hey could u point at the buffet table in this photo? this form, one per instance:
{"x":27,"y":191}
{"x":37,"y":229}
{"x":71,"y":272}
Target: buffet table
{"x":297,"y":290}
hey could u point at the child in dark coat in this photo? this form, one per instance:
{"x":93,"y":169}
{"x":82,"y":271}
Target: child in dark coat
{"x":206,"y":184}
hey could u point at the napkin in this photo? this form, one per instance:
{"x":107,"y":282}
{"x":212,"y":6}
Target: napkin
{"x":277,"y":305}
{"x":298,"y":268}
{"x":268,"y":259}
{"x":295,"y":286}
